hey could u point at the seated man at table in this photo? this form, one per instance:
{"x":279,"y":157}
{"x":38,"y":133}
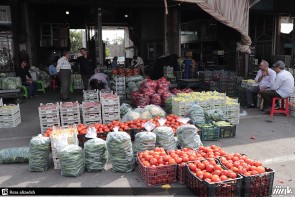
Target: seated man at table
{"x":283,"y":86}
{"x":23,"y":72}
{"x":265,"y":78}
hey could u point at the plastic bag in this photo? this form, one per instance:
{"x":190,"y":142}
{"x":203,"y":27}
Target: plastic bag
{"x":196,"y":114}
{"x":215,"y":115}
{"x":14,"y":155}
{"x":187,"y":135}
{"x":165,"y":136}
{"x":155,"y":111}
{"x":156,"y":99}
{"x":139,"y":99}
{"x":9,"y":84}
{"x":146,"y":115}
{"x":164,"y":97}
{"x":131,"y":115}
{"x":120,"y":151}
{"x":124,"y":108}
{"x":39,"y":153}
{"x":132,"y":85}
{"x":134,"y":78}
{"x":148,"y":84}
{"x":95,"y":155}
{"x":168,"y":104}
{"x":138,"y":84}
{"x":145,"y":140}
{"x":71,"y":161}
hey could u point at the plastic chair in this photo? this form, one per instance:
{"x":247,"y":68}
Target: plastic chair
{"x":284,"y":108}
{"x":53,"y":84}
{"x":41,"y":86}
{"x":25,"y":91}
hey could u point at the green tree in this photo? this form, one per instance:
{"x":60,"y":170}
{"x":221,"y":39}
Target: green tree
{"x":76,"y":40}
{"x":108,"y":52}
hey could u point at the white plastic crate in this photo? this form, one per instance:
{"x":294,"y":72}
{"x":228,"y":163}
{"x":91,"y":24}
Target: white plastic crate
{"x":109,"y":120}
{"x":69,"y":108}
{"x":91,"y":117}
{"x":111,"y":115}
{"x":110,"y":101}
{"x":44,"y":126}
{"x":235,"y":107}
{"x":234,"y":121}
{"x":87,"y":123}
{"x":91,"y":107}
{"x":48,"y":109}
{"x":90,"y":95}
{"x":10,"y":117}
{"x":10,"y":124}
{"x":9,"y":109}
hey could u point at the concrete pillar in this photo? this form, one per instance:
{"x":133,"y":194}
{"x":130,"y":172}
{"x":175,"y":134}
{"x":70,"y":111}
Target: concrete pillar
{"x":174,"y":28}
{"x":98,"y":39}
{"x":28,"y":33}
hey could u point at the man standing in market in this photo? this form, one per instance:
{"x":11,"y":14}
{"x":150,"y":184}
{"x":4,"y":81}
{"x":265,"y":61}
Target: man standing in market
{"x":265,"y":78}
{"x":23,"y":73}
{"x":87,"y":66}
{"x":283,"y":86}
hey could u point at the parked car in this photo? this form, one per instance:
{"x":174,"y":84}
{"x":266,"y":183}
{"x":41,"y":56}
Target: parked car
{"x":121,"y":60}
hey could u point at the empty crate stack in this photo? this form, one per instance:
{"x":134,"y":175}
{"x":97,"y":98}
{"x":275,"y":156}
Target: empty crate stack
{"x":90,"y":95}
{"x":70,"y":113}
{"x":91,"y":111}
{"x":49,"y":116}
{"x":120,"y":87}
{"x":110,"y":105}
{"x":232,"y":111}
{"x":9,"y":116}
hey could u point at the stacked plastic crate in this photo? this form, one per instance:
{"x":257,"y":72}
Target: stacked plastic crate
{"x":292,"y":105}
{"x":168,"y":71}
{"x":110,"y":105}
{"x":180,"y":107}
{"x":77,"y":81}
{"x":232,"y":111}
{"x":91,"y":112}
{"x":1,"y":102}
{"x":9,"y":116}
{"x":218,"y":102}
{"x":91,"y":95}
{"x":49,"y":116}
{"x":120,"y":87}
{"x":70,"y":113}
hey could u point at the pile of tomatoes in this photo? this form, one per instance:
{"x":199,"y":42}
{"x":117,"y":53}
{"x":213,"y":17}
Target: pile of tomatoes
{"x":154,"y":158}
{"x":209,"y":171}
{"x":242,"y":164}
{"x":184,"y":155}
{"x":211,"y":151}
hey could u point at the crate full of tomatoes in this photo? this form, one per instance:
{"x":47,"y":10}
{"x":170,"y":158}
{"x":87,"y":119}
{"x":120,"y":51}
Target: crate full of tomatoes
{"x":257,"y":180}
{"x":181,"y":157}
{"x":208,"y":178}
{"x":156,"y":167}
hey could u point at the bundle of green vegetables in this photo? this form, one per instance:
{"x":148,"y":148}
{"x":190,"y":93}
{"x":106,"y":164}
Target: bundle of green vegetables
{"x":95,"y":154}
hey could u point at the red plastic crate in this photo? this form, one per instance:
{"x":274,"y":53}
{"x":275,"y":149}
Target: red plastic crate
{"x":158,"y":175}
{"x":229,"y":188}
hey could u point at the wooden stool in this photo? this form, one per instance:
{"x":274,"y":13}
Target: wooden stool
{"x":284,"y":108}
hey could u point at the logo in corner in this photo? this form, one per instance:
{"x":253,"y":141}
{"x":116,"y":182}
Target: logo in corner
{"x":5,"y":192}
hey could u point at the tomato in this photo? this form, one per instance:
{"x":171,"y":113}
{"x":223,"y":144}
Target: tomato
{"x":153,"y":161}
{"x":178,"y":160}
{"x":223,"y":177}
{"x":232,"y":175}
{"x":192,"y":166}
{"x":166,"y":158}
{"x":171,"y":161}
{"x":207,"y":175}
{"x":201,"y":166}
{"x":216,"y":172}
{"x":215,"y":178}
{"x":260,"y":169}
{"x":257,"y":163}
{"x":209,"y":168}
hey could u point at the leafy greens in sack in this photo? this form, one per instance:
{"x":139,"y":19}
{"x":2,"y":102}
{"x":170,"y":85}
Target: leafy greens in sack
{"x":215,"y":115}
{"x":155,"y":111}
{"x":165,"y":136}
{"x":187,"y":135}
{"x":39,"y":153}
{"x":196,"y":114}
{"x":120,"y":151}
{"x":134,"y":78}
{"x":71,"y":161}
{"x":95,"y":155}
{"x":14,"y":155}
{"x":145,"y":140}
{"x":124,"y":108}
{"x":131,"y":115}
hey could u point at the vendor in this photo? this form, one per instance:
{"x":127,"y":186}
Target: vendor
{"x":23,"y":73}
{"x":137,"y":62}
{"x":98,"y":81}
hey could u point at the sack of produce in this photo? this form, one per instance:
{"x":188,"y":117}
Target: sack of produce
{"x":134,"y":78}
{"x":164,"y":96}
{"x":9,"y":84}
{"x":148,"y":84}
{"x":168,"y":104}
{"x":165,"y":136}
{"x":131,"y":115}
{"x":215,"y":115}
{"x":156,"y":99}
{"x":14,"y":155}
{"x":145,"y":140}
{"x":155,"y":111}
{"x":120,"y":151}
{"x":196,"y":114}
{"x":95,"y":154}
{"x":163,"y":85}
{"x":124,"y":108}
{"x":138,"y":84}
{"x":71,"y":161}
{"x":39,"y":153}
{"x":187,"y":135}
{"x":139,"y":99}
{"x":146,"y":115}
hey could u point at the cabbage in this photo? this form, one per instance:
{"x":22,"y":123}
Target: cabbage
{"x":155,"y":110}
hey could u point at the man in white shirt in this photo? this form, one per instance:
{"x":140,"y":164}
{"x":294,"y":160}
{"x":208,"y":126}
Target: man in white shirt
{"x":64,"y":69}
{"x":283,"y":86}
{"x":137,"y":62}
{"x":265,"y":78}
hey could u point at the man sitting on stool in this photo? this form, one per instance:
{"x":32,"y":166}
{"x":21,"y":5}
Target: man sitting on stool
{"x":265,"y":78}
{"x":283,"y":86}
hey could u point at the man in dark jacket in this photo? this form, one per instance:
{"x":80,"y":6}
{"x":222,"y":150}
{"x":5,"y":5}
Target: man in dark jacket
{"x":23,"y":72}
{"x":87,"y":66}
